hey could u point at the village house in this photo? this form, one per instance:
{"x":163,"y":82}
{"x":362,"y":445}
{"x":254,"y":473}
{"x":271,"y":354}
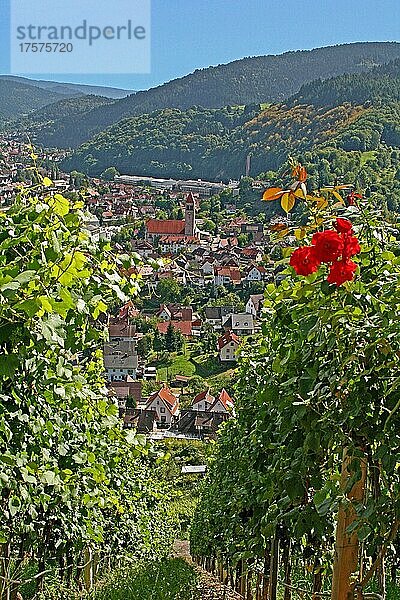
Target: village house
{"x":125,"y":389}
{"x":120,"y":360}
{"x":144,"y":421}
{"x":175,"y":312}
{"x":185,"y":327}
{"x":223,"y":404}
{"x":253,"y":254}
{"x":165,"y":405}
{"x":256,"y":273}
{"x":214,"y":315}
{"x":227,"y":276}
{"x":201,"y":423}
{"x":254,"y":305}
{"x":239,"y":323}
{"x":227,"y":347}
{"x":203,"y":401}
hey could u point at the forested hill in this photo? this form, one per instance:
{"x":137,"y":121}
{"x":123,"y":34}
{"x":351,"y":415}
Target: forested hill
{"x":213,"y":143}
{"x":18,"y":98}
{"x":260,"y":79}
{"x":381,"y":84}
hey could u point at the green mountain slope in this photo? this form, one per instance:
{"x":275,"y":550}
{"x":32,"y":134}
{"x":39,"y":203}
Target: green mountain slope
{"x":18,"y":98}
{"x":213,"y":143}
{"x":41,"y":121}
{"x":246,"y":81}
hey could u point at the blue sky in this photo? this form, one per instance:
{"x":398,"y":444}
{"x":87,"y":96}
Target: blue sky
{"x":191,"y":34}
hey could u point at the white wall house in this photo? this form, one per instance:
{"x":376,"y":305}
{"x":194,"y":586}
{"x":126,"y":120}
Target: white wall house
{"x":227,"y":347}
{"x":165,"y":404}
{"x":120,"y":360}
{"x":254,"y":305}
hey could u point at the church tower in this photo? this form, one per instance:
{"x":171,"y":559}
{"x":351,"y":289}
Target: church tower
{"x":190,"y":215}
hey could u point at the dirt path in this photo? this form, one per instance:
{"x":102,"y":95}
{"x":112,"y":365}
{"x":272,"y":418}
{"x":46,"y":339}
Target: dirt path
{"x":209,"y":587}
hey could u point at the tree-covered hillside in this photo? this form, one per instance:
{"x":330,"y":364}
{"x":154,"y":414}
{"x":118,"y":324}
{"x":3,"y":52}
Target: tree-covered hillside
{"x":251,"y":80}
{"x":381,"y":84}
{"x":214,"y":144}
{"x":41,"y":121}
{"x":17,"y":98}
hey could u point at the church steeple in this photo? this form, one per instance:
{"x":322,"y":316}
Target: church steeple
{"x":190,"y":215}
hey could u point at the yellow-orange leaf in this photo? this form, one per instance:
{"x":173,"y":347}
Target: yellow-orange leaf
{"x":283,"y":233}
{"x":272,"y":193}
{"x":287,"y":201}
{"x":322,"y":202}
{"x":337,"y":196}
{"x":300,"y":233}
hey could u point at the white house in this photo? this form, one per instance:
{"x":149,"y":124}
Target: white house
{"x":254,"y":305}
{"x":227,"y":346}
{"x":256,"y":273}
{"x":203,"y":401}
{"x":165,"y":404}
{"x":208,"y":267}
{"x":223,"y":403}
{"x":239,"y":323}
{"x":120,"y":360}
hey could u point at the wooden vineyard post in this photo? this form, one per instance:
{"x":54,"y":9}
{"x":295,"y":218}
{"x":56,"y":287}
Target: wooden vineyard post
{"x":346,"y":550}
{"x":243,"y":579}
{"x":266,"y":574}
{"x":273,"y":580}
{"x":88,"y":569}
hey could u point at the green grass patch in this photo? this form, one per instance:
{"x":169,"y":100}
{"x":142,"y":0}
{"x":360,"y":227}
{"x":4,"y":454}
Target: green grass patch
{"x":208,"y":365}
{"x":168,"y":579}
{"x":367,"y":156}
{"x":172,"y":365}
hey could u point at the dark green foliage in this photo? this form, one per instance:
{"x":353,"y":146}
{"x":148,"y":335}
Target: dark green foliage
{"x":382,"y":84}
{"x":18,"y":98}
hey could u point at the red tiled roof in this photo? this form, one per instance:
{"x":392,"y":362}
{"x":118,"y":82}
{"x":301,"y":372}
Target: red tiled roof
{"x":167,"y":227}
{"x":225,"y":399}
{"x":232,"y":272}
{"x":202,"y":396}
{"x":165,"y":394}
{"x":185,"y":327}
{"x":228,"y":337}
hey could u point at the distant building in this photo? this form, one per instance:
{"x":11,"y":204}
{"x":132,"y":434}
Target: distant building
{"x":174,"y":229}
{"x":227,"y":347}
{"x":239,"y":323}
{"x":165,"y":404}
{"x":203,"y":401}
{"x":120,"y":360}
{"x":254,"y":305}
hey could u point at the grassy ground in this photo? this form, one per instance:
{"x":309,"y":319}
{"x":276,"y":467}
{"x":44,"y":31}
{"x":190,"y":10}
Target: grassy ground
{"x":169,"y":579}
{"x":366,"y":156}
{"x":189,"y":364}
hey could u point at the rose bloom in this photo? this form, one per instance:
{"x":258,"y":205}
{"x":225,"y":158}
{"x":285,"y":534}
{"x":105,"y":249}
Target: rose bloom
{"x":328,"y":245}
{"x":341,"y":271}
{"x":343,"y":225}
{"x":350,"y":246}
{"x":304,"y":260}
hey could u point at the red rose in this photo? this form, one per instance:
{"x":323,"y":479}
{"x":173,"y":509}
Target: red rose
{"x":304,"y":260}
{"x":328,"y":245}
{"x":341,"y":271}
{"x":343,"y":225}
{"x":350,"y":246}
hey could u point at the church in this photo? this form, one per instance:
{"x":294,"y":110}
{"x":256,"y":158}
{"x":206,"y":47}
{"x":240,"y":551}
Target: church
{"x":178,"y":231}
